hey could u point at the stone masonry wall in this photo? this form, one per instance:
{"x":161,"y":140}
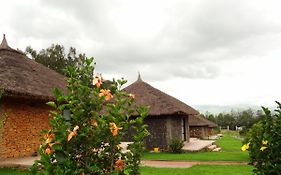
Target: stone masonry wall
{"x":157,"y":130}
{"x":163,"y":129}
{"x":198,"y":131}
{"x":22,"y":127}
{"x":210,"y":131}
{"x":174,"y":129}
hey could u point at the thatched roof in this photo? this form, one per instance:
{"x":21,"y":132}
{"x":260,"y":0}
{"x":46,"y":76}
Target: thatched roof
{"x":23,"y":77}
{"x":198,"y":120}
{"x":4,"y":44}
{"x":159,"y":102}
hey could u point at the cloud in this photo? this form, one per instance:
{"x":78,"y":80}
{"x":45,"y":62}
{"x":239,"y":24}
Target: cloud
{"x":164,"y":40}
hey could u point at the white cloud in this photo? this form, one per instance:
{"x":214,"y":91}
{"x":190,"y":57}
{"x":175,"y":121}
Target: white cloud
{"x":202,"y":52}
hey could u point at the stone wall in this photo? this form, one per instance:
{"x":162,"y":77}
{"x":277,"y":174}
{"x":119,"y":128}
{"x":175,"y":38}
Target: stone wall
{"x":175,"y":129}
{"x":163,"y":129}
{"x":198,"y":131}
{"x":22,"y":126}
{"x":157,"y":129}
{"x":210,"y":131}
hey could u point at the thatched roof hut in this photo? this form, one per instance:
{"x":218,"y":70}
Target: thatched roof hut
{"x":159,"y":102}
{"x":168,"y":116}
{"x":23,"y":77}
{"x":201,"y":127}
{"x":24,"y":114}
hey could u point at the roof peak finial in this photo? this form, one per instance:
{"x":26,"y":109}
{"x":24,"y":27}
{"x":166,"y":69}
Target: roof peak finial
{"x":139,"y":76}
{"x":4,"y":43}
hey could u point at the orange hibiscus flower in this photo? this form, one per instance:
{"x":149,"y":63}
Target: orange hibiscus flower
{"x":106,"y":93}
{"x":114,"y":129}
{"x":49,"y":138}
{"x":119,"y":165}
{"x":72,"y":133}
{"x":49,"y":149}
{"x":131,"y":96}
{"x":94,"y":122}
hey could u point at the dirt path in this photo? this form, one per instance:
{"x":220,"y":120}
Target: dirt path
{"x":28,"y":161}
{"x":187,"y":164}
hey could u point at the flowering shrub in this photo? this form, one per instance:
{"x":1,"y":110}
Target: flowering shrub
{"x":88,"y":141}
{"x":263,"y":143}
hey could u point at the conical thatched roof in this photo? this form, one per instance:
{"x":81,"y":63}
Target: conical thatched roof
{"x":23,"y":77}
{"x":199,"y":120}
{"x":4,"y":44}
{"x":159,"y":102}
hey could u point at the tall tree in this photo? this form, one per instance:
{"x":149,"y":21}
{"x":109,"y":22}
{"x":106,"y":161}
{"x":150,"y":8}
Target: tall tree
{"x":55,"y":57}
{"x":210,"y":117}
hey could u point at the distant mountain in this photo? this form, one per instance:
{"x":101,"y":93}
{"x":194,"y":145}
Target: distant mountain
{"x":215,"y":109}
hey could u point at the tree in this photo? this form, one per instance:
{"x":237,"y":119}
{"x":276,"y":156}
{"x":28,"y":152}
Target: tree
{"x":245,"y":119}
{"x":54,"y":57}
{"x":210,"y":117}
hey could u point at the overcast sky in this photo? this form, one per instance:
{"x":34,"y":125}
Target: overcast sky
{"x":203,"y":52}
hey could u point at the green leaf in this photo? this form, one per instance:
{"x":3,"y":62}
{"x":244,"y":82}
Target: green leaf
{"x":60,"y":156}
{"x":57,"y":92}
{"x":57,"y":147}
{"x":62,"y":107}
{"x":52,"y":104}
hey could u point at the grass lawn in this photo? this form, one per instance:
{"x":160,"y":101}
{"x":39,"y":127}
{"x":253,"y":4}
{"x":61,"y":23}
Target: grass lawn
{"x":200,"y":170}
{"x":195,"y":170}
{"x":9,"y":171}
{"x":200,"y":156}
{"x":230,"y":142}
{"x":231,"y":151}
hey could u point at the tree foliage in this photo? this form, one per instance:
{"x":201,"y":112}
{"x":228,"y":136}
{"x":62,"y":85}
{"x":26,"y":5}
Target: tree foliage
{"x":245,"y":119}
{"x":55,"y":57}
{"x":263,"y":143}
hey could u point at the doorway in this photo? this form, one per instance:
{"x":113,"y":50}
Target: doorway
{"x":183,"y":129}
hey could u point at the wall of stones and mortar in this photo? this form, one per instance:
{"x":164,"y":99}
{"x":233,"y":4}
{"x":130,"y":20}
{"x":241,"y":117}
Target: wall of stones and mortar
{"x":22,"y":126}
{"x":157,"y":127}
{"x":198,"y":131}
{"x":210,"y":131}
{"x":175,"y":130}
{"x":163,"y":129}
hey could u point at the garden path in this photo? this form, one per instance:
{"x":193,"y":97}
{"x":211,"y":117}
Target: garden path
{"x":26,"y":162}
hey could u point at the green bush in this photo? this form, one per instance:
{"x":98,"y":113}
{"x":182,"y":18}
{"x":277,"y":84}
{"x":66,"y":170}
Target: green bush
{"x":263,"y":143}
{"x":244,"y":131}
{"x":176,"y":146}
{"x":88,"y":141}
